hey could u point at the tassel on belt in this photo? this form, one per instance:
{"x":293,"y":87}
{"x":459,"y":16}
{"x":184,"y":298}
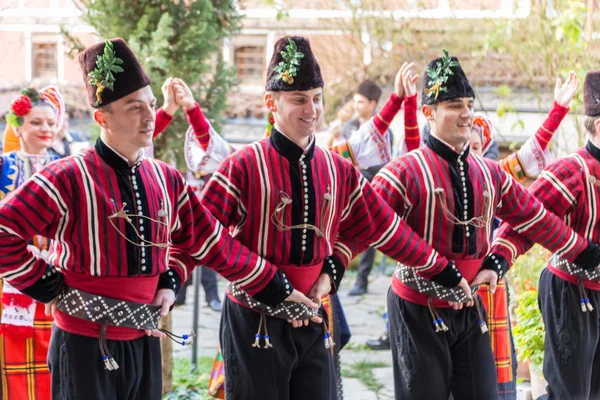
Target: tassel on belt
{"x":438,"y":321}
{"x":113,"y":312}
{"x":581,"y":274}
{"x":285,"y":310}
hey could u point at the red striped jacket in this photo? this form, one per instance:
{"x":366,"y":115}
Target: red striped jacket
{"x":264,"y":189}
{"x":568,"y":188}
{"x":419,"y":187}
{"x":71,"y":200}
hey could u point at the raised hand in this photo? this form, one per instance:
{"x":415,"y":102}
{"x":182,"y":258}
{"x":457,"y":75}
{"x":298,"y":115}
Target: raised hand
{"x":398,"y":82}
{"x":183,"y":94}
{"x":563,"y":94}
{"x":169,"y":105}
{"x":409,"y":81}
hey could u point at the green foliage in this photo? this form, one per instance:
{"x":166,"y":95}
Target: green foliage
{"x":190,"y":383}
{"x":291,"y":61}
{"x":440,"y":74}
{"x":107,"y":65}
{"x":529,"y":329}
{"x":13,"y":120}
{"x":502,"y":91}
{"x":175,"y":38}
{"x":33,"y":95}
{"x":548,"y":43}
{"x":504,"y":108}
{"x":94,"y":130}
{"x":363,"y":371}
{"x":525,"y":272}
{"x":355,"y":346}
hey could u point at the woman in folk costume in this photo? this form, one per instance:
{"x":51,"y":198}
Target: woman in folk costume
{"x":33,"y":120}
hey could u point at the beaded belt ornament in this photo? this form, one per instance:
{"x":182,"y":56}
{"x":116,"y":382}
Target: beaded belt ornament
{"x":409,"y":277}
{"x":107,"y":311}
{"x":285,"y":310}
{"x":572,"y":269}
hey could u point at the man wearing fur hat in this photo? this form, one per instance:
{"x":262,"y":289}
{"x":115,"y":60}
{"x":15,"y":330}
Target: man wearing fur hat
{"x":450,"y":197}
{"x":569,"y":295}
{"x":302,"y":207}
{"x":127,"y":231}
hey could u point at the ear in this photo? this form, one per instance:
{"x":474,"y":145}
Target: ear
{"x":100,"y":119}
{"x":270,"y":102}
{"x":596,"y":124}
{"x":428,"y":111}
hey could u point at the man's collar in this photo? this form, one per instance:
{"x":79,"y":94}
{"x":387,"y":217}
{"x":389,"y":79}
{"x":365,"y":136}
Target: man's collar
{"x":593,"y":149}
{"x":290,"y":150}
{"x":445,"y":150}
{"x":113,"y":157}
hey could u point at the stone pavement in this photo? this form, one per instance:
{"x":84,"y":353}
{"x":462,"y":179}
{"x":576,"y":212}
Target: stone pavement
{"x":364,"y":317}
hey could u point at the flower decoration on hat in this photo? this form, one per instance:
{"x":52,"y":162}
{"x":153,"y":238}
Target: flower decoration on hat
{"x":103,"y":77}
{"x":21,"y":106}
{"x":439,"y":74}
{"x":288,"y":68}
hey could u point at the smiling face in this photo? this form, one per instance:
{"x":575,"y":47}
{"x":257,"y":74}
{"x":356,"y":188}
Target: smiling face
{"x":128,"y":123}
{"x":38,"y":130}
{"x":451,"y":121}
{"x":296,"y":113}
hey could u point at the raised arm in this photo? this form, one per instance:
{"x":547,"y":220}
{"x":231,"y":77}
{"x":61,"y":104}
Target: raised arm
{"x":538,"y":216}
{"x":530,"y":160}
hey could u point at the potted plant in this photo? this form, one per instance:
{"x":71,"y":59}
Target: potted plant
{"x":529,"y":330}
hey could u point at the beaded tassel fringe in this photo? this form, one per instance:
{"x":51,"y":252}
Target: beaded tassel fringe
{"x":438,"y":322}
{"x":258,"y":336}
{"x":109,"y":362}
{"x":584,"y":300}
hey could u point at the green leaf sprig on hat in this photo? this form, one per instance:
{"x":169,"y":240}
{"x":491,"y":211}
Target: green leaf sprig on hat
{"x":439,"y":75}
{"x":103,"y":76}
{"x":288,"y":68}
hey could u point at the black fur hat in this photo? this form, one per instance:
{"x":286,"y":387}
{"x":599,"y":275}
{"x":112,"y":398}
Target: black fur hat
{"x":591,"y":94}
{"x":293,"y":66}
{"x":444,"y":79}
{"x":111,"y":71}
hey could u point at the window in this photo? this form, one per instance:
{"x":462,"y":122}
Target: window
{"x":44,"y":60}
{"x":250,"y":62}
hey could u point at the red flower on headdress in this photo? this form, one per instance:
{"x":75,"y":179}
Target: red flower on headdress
{"x":21,"y":106}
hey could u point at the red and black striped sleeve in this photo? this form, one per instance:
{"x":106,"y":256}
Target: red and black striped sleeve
{"x":537,"y":216}
{"x":386,"y":115}
{"x":412,"y":136}
{"x":202,"y":239}
{"x":367,"y":220}
{"x":38,"y":207}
